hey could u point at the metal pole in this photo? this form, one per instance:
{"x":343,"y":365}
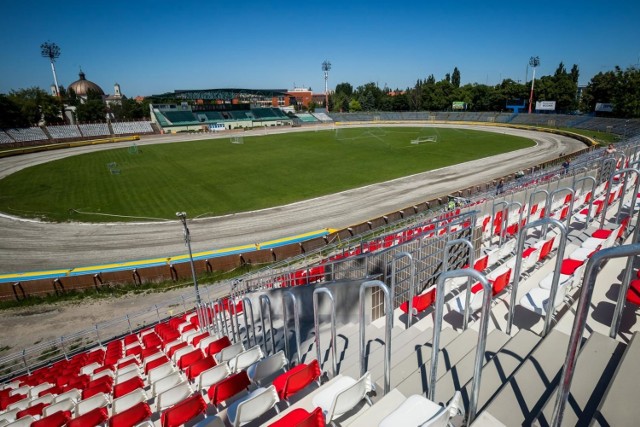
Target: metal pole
{"x":593,"y":194}
{"x":296,"y":320}
{"x":316,"y":326}
{"x":387,"y":329}
{"x":412,"y":283}
{"x":482,"y":334}
{"x":588,"y":283}
{"x":187,"y":240}
{"x":445,"y":266}
{"x":246,"y":302}
{"x":265,"y":300}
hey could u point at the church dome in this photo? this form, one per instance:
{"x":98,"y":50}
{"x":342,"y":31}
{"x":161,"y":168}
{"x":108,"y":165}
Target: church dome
{"x":83,"y":86}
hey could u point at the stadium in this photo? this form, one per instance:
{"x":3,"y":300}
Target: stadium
{"x":237,"y":256}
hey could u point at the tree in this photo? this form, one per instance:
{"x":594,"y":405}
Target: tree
{"x":91,"y":111}
{"x":10,"y":114}
{"x":354,"y":106}
{"x":36,"y":105}
{"x":455,"y":77}
{"x":345,"y":89}
{"x":575,"y":73}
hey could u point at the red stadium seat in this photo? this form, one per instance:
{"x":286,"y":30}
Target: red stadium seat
{"x":200,"y":366}
{"x":57,"y":419}
{"x":190,"y":358}
{"x":155,"y":363}
{"x":420,"y":302}
{"x":127,"y":386}
{"x":92,"y":418}
{"x":218,"y":345}
{"x":183,"y":412}
{"x":294,"y":380}
{"x":228,"y":387}
{"x":132,"y":416}
{"x":301,"y":418}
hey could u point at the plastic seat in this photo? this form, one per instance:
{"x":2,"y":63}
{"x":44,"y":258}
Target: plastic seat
{"x":537,"y":299}
{"x":33,"y":410}
{"x":501,"y":282}
{"x":296,"y":379}
{"x":204,"y":343}
{"x":633,"y":294}
{"x":418,"y":410}
{"x":267,"y":368}
{"x":190,"y":358}
{"x":217,"y":345}
{"x":101,"y":387}
{"x":301,"y":418}
{"x":22,"y":422}
{"x":74,"y":394}
{"x":252,"y":406}
{"x":166,"y":383}
{"x":174,"y":348}
{"x":181,"y":352}
{"x":228,"y":353}
{"x":475,"y":301}
{"x":35,"y":390}
{"x":184,"y":411}
{"x":420,"y":302}
{"x":195,"y":369}
{"x":155,"y":362}
{"x":195,"y":340}
{"x":341,"y":396}
{"x":91,"y":418}
{"x":9,"y":416}
{"x":128,"y":400}
{"x":213,"y":375}
{"x":57,"y":419}
{"x":64,"y":405}
{"x":88,"y":369}
{"x":160,"y":372}
{"x":246,"y":358}
{"x":170,"y":397}
{"x":128,"y":386}
{"x":99,"y":400}
{"x":228,"y":387}
{"x":132,"y":416}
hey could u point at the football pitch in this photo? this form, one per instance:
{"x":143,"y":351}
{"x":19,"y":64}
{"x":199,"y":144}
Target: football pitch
{"x":216,"y":177}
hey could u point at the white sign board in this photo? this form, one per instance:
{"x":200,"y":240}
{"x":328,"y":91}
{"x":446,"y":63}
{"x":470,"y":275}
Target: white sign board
{"x":546,"y":105}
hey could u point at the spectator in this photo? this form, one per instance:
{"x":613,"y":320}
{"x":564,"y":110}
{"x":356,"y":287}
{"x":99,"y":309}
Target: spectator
{"x":566,"y":165}
{"x":611,"y":149}
{"x":500,"y":187}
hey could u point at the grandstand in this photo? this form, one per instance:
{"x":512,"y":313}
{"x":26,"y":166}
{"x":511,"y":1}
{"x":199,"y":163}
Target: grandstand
{"x":493,"y":343}
{"x":27,"y":134}
{"x":64,"y":131}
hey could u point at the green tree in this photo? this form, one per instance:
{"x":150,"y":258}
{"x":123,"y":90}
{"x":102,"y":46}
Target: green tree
{"x":354,"y":106}
{"x":455,"y":77}
{"x":35,"y":105}
{"x":91,"y":111}
{"x":10,"y":114}
{"x":345,"y":89}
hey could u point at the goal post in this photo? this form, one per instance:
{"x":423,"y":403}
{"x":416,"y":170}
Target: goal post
{"x":237,"y":139}
{"x":425,"y":139}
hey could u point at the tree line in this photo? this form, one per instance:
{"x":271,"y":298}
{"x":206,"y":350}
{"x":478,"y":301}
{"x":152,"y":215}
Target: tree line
{"x":33,"y":106}
{"x":619,"y":87}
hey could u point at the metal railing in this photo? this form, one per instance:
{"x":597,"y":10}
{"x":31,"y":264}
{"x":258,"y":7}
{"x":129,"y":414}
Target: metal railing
{"x":411,"y":281}
{"x":316,"y":326}
{"x":296,"y":319}
{"x":387,"y":330}
{"x":266,"y":301}
{"x":445,"y":268}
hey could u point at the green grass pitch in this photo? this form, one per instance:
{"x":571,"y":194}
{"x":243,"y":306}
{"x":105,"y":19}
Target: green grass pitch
{"x":215,"y":177}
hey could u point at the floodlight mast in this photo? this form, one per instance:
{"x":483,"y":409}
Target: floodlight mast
{"x":187,"y":239}
{"x":326,"y":67}
{"x":52,"y":51}
{"x":534,"y":61}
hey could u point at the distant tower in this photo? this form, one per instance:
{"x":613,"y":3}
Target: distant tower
{"x":54,"y":91}
{"x":326,"y":67}
{"x":51,"y":51}
{"x":116,"y":90}
{"x":534,"y":61}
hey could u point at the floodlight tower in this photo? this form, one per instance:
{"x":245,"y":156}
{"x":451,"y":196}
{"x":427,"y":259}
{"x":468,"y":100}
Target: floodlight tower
{"x":534,"y":61}
{"x":326,"y":67}
{"x":187,"y":240}
{"x":51,"y":51}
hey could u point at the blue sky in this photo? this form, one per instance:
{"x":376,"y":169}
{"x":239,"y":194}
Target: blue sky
{"x":152,"y":47}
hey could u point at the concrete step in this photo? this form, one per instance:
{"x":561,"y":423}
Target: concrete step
{"x":497,"y":371}
{"x":596,"y":364}
{"x":346,"y":337}
{"x":374,"y":342}
{"x":376,"y":413}
{"x":462,"y":372}
{"x":522,"y":396}
{"x":401,"y":347}
{"x":621,"y":396}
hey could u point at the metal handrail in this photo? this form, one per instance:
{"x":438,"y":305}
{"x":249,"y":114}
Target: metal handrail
{"x":556,"y":272}
{"x":505,"y":213}
{"x":532,"y":198}
{"x":605,"y":205}
{"x":265,"y":300}
{"x":445,"y":267}
{"x":246,"y":302}
{"x":588,"y":283}
{"x":316,"y":326}
{"x":568,"y":190}
{"x":412,"y":283}
{"x":296,"y":320}
{"x":232,"y":314}
{"x":482,"y":334}
{"x":387,"y":329}
{"x":626,"y":280}
{"x":624,"y":172}
{"x":593,"y":195}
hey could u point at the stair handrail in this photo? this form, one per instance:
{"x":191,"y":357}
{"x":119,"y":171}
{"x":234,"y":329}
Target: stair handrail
{"x":556,"y":272}
{"x":316,"y":326}
{"x":505,"y":213}
{"x":624,"y":173}
{"x":532,"y":198}
{"x":445,"y":267}
{"x":482,"y":334}
{"x":626,"y":280}
{"x":235,"y":328}
{"x":248,"y":306}
{"x":579,"y":323}
{"x":605,"y":205}
{"x":296,"y":322}
{"x":387,"y":329}
{"x":263,"y":301}
{"x":412,"y":282}
{"x":568,"y":190}
{"x":593,"y":195}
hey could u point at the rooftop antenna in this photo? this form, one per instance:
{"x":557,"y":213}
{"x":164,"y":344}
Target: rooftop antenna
{"x":326,"y":67}
{"x":52,"y":51}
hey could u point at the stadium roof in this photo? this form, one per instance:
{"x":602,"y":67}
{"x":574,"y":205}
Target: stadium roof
{"x":227,"y":94}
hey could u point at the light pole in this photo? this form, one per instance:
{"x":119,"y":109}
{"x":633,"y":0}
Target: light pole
{"x":187,"y":241}
{"x":326,"y":67}
{"x":51,"y":51}
{"x":534,"y":61}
